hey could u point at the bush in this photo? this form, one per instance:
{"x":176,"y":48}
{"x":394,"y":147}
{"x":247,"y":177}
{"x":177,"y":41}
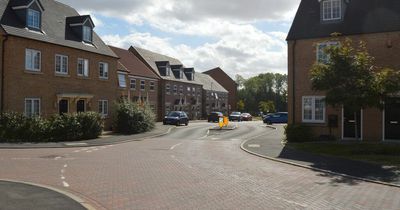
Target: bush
{"x":15,"y":127}
{"x":130,"y":118}
{"x":298,"y":133}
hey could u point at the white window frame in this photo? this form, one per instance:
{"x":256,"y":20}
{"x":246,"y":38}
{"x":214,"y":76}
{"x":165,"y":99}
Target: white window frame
{"x":181,"y":90}
{"x":327,"y":6}
{"x":32,"y":107}
{"x":85,"y":65}
{"x":36,"y":20}
{"x":320,"y":52}
{"x":121,"y":80}
{"x":102,"y":110}
{"x":142,"y":85}
{"x":175,"y":90}
{"x":87,"y":34}
{"x":62,"y":58}
{"x":313,"y":110}
{"x":132,"y":84}
{"x":32,"y":55}
{"x":152,"y":86}
{"x":103,"y":73}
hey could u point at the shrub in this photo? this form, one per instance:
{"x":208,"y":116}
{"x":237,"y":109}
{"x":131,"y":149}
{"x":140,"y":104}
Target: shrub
{"x":130,"y":118}
{"x":15,"y":127}
{"x":298,"y":133}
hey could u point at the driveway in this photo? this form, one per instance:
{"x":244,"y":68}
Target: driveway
{"x":188,"y":169}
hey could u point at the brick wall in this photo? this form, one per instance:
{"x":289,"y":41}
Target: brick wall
{"x":385,"y":47}
{"x":20,"y":84}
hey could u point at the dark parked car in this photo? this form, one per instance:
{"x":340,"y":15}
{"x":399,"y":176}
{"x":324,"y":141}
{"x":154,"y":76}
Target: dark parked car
{"x":235,"y":116}
{"x":246,"y":117}
{"x":214,"y":116}
{"x":176,"y":118}
{"x":280,"y":117}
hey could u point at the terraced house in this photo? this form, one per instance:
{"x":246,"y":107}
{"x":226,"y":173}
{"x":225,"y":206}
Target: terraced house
{"x":320,"y":23}
{"x":136,"y":81}
{"x":179,"y":87}
{"x":53,"y":62}
{"x":215,"y":97}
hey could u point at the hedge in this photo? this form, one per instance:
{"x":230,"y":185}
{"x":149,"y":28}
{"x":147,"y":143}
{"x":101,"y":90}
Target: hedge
{"x":15,"y":127}
{"x":298,"y":133}
{"x":131,"y":118}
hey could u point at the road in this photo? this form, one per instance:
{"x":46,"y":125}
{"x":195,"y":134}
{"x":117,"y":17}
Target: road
{"x":188,"y":169}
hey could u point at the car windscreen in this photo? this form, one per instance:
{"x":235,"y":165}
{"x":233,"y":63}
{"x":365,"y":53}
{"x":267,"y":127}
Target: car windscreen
{"x":235,"y":113}
{"x":173,"y":114}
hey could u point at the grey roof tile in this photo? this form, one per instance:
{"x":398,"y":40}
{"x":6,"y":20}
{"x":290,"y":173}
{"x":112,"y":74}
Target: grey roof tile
{"x":209,"y":83}
{"x":360,"y":17}
{"x":53,"y":27}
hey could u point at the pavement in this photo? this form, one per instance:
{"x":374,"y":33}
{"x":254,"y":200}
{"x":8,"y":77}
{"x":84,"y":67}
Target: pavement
{"x":190,"y":168}
{"x":108,"y":139}
{"x":271,"y":146}
{"x":21,"y":196}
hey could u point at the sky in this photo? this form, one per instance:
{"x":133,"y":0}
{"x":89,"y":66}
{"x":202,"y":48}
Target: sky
{"x":245,"y":37}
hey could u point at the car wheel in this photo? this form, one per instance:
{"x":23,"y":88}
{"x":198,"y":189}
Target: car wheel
{"x":269,"y":123}
{"x":178,"y":123}
{"x":164,"y":123}
{"x":187,"y":123}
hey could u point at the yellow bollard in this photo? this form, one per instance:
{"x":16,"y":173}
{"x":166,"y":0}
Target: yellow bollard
{"x":221,"y":122}
{"x":226,"y":121}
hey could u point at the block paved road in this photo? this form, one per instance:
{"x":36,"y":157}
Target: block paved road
{"x":189,"y":170}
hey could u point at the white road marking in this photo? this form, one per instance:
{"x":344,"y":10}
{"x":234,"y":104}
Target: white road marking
{"x":62,"y":177}
{"x":62,"y":171}
{"x":65,"y":184}
{"x":254,"y":145}
{"x":215,"y":138}
{"x":208,"y":132}
{"x":76,"y":151}
{"x":75,"y":144}
{"x":57,"y":158}
{"x":89,"y":151}
{"x":176,"y":145}
{"x":65,"y":165}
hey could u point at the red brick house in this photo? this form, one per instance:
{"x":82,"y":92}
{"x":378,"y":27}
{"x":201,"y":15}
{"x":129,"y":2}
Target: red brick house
{"x":228,"y":83}
{"x":52,"y":61}
{"x":136,"y":81}
{"x":179,"y":87}
{"x":215,"y":97}
{"x":377,"y":23}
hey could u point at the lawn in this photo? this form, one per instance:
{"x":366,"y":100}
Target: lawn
{"x":383,"y":154}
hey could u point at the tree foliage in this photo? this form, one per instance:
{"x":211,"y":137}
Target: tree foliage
{"x":267,"y":106}
{"x":262,"y":88}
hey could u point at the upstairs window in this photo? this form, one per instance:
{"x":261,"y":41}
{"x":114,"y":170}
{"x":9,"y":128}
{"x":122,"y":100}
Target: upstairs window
{"x":61,"y":64}
{"x":121,"y":80}
{"x":175,"y":89}
{"x":133,"y":84}
{"x":142,"y":85}
{"x":33,"y":19}
{"x":32,"y":60}
{"x":322,"y":56}
{"x":168,"y":89}
{"x":331,"y":10}
{"x":152,"y":85}
{"x":103,"y":70}
{"x":83,"y":67}
{"x":87,"y":34}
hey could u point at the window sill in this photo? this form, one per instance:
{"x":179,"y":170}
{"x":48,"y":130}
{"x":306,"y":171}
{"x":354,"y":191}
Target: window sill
{"x":61,"y":75}
{"x":33,"y":72}
{"x":83,"y":77}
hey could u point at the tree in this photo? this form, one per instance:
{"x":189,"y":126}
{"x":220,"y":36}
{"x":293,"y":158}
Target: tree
{"x":350,"y":79}
{"x":267,"y":106}
{"x":240,"y":105}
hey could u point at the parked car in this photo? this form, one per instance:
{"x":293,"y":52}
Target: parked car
{"x":214,"y":116}
{"x":280,"y":117}
{"x":176,"y":118}
{"x":235,"y":116}
{"x":246,"y":117}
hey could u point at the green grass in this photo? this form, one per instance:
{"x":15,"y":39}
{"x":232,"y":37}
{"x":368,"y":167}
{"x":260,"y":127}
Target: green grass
{"x":383,"y":154}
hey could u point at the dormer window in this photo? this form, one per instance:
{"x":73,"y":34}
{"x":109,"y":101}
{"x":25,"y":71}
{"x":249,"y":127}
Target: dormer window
{"x":33,"y":19}
{"x":331,"y":10}
{"x":87,"y":34}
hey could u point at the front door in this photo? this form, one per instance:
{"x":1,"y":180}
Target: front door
{"x":392,"y":119}
{"x":63,"y":106}
{"x":80,"y":106}
{"x":349,"y":124}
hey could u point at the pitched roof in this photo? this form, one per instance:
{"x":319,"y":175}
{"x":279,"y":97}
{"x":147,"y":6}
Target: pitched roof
{"x":218,"y":69}
{"x":152,"y":58}
{"x":209,"y":83}
{"x":128,"y":61}
{"x":360,"y":17}
{"x":53,"y":27}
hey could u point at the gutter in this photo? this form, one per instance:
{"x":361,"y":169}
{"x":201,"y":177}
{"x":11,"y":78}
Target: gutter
{"x":5,"y":37}
{"x":293,"y":82}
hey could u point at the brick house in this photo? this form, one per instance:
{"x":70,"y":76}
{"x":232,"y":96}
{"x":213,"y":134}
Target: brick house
{"x":53,"y":62}
{"x":215,"y":97}
{"x":377,"y":23}
{"x":179,"y":88}
{"x":228,"y":83}
{"x":136,"y":81}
